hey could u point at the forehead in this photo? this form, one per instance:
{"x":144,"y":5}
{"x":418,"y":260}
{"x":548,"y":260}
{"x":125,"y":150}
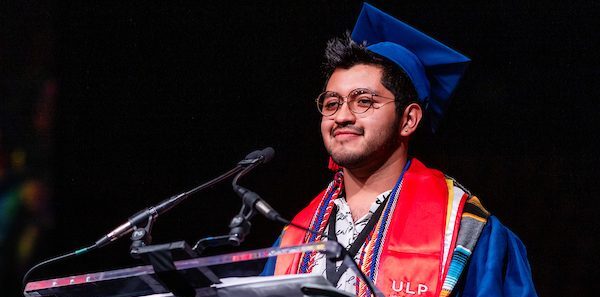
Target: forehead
{"x":357,"y":76}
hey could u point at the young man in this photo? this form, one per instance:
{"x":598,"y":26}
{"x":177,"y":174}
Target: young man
{"x":411,"y":229}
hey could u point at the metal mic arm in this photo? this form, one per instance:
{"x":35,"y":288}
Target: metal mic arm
{"x":153,"y":212}
{"x":239,"y":227}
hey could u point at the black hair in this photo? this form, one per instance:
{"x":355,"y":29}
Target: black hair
{"x":345,"y":53}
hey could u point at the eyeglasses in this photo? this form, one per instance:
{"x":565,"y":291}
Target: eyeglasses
{"x":359,"y":101}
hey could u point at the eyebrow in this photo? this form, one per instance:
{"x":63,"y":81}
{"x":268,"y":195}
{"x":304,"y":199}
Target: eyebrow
{"x":353,"y":90}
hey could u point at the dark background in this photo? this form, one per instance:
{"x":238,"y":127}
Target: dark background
{"x":154,"y":99}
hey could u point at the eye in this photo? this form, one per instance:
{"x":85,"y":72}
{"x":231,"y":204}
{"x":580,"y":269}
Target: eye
{"x":364,"y":100}
{"x":330,"y":103}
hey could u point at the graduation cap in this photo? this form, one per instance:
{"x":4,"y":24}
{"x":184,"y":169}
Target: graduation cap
{"x":433,"y":68}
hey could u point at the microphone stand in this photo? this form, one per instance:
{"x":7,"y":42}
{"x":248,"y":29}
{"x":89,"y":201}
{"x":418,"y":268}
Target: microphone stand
{"x":239,"y":225}
{"x":141,"y":236}
{"x":149,"y":215}
{"x":161,"y":257}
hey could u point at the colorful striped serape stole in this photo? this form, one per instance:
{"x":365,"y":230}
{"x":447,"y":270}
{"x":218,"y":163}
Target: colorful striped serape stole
{"x":473,"y":219}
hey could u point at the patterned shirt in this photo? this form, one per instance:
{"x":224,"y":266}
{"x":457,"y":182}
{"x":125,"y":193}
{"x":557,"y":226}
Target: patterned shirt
{"x":346,"y":231}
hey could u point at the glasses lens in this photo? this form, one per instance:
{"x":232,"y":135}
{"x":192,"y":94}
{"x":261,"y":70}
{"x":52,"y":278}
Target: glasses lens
{"x":360,"y":100}
{"x":328,"y":103}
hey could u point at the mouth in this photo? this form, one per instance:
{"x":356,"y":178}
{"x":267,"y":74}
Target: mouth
{"x":346,"y":132}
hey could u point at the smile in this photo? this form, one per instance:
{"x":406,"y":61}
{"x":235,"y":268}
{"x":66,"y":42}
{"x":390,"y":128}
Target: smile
{"x":346,"y":132}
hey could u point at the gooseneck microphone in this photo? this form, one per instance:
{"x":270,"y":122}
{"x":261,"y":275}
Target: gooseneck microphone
{"x":254,"y":201}
{"x":251,"y":160}
{"x":240,"y":225}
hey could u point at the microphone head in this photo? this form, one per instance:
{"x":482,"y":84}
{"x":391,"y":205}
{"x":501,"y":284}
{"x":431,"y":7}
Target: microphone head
{"x":258,"y":156}
{"x":267,"y":154}
{"x":253,"y":155}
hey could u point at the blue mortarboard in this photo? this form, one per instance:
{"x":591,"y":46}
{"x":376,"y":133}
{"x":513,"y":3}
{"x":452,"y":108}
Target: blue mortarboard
{"x":434,"y":68}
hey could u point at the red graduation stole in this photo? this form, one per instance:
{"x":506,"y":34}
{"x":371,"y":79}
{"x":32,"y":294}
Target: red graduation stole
{"x":411,"y":253}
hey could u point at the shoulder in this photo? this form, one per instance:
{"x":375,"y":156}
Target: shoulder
{"x":419,"y":170}
{"x":495,"y":230}
{"x":498,"y":244}
{"x":498,"y":265}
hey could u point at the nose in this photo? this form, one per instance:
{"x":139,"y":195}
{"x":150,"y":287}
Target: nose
{"x":344,"y":115}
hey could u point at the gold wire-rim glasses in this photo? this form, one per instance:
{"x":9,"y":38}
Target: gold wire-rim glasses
{"x":353,"y":99}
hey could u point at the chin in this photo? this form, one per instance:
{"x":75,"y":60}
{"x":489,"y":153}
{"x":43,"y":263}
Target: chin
{"x":348,"y":159}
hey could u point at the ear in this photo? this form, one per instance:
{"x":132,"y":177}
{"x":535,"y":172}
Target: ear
{"x":411,"y":117}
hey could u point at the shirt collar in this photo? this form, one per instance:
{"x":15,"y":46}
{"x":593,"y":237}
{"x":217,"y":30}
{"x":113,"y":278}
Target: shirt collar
{"x":343,"y":206}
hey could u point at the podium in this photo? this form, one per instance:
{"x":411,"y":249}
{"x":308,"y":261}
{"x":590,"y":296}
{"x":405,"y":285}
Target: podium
{"x":232,"y":274}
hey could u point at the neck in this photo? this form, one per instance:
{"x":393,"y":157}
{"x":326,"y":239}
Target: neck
{"x":362,"y":185}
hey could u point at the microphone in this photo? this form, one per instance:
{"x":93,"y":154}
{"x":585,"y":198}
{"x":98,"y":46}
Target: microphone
{"x":150,"y":213}
{"x":240,"y":224}
{"x":254,"y":201}
{"x":258,"y":157}
{"x":251,"y":157}
{"x":251,"y":160}
{"x":268,"y":154}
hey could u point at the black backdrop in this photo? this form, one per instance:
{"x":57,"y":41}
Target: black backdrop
{"x":157,"y":98}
